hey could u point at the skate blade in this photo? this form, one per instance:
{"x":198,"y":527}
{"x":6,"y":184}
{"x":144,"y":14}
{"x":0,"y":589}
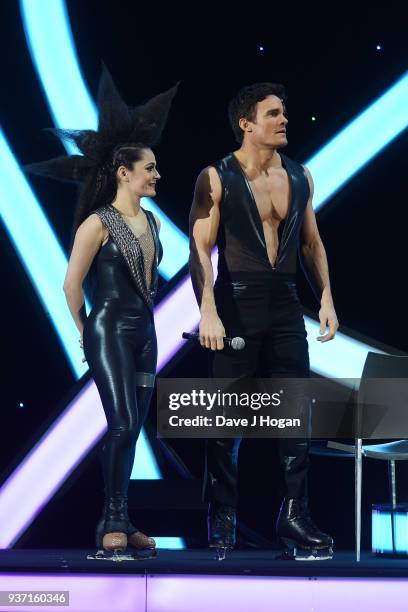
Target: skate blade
{"x":220,"y":552}
{"x":299,"y":554}
{"x":117,"y":557}
{"x":143,"y":552}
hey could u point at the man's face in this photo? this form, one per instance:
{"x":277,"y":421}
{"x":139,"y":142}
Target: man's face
{"x":269,"y":126}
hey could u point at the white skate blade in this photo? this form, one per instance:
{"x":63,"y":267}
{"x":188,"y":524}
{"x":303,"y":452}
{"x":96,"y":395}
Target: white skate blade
{"x":102,"y":555}
{"x":297,"y":554}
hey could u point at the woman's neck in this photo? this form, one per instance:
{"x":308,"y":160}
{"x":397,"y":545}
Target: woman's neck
{"x":128,"y":205}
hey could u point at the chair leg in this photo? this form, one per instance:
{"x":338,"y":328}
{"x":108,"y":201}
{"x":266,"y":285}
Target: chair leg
{"x":392,"y":482}
{"x":393,"y":499}
{"x":358,"y":486}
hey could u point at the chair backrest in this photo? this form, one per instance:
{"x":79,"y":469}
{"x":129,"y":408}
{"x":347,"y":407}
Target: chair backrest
{"x":378,"y":365}
{"x":382,"y":406}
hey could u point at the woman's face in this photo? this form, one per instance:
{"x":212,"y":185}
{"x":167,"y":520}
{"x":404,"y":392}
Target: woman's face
{"x":142,"y":179}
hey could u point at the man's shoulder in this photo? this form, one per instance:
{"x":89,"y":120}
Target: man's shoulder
{"x":222,"y":163}
{"x":285,"y":158}
{"x":217,"y":168}
{"x":294,"y":165}
{"x":223,"y":170}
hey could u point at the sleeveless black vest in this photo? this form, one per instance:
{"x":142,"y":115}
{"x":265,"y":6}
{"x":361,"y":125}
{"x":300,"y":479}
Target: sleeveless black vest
{"x":128,"y":245}
{"x":241,"y":241}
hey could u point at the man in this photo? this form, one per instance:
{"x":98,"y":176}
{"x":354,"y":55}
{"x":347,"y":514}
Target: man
{"x":256,"y":205}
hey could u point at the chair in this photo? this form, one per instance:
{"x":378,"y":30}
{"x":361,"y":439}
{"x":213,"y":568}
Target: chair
{"x":377,"y":366}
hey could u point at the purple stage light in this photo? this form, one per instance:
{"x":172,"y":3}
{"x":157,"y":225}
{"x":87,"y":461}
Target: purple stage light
{"x":46,"y":465}
{"x":271,"y":594}
{"x":178,"y":312}
{"x":88,"y":593}
{"x":50,"y":461}
{"x":181,"y":593}
{"x":237,"y":593}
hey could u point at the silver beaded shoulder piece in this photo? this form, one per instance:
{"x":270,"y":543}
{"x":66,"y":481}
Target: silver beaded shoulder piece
{"x":129,"y":246}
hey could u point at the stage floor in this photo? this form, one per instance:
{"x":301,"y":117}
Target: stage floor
{"x":193,"y":581}
{"x":237,"y":563}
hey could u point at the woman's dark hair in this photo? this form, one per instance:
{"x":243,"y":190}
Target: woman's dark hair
{"x":243,"y":104}
{"x":123,"y":133}
{"x":100,"y":185}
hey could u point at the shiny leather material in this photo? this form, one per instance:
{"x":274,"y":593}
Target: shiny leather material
{"x":140,"y":541}
{"x":269,"y":316}
{"x":121,"y":349}
{"x":295,"y":527}
{"x":241,"y":240}
{"x":260,"y":304}
{"x":135,"y":538}
{"x":114,"y":542}
{"x":221,"y":526}
{"x":116,"y":515}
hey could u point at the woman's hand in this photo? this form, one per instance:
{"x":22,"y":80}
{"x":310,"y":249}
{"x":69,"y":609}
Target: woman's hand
{"x":81,"y":344}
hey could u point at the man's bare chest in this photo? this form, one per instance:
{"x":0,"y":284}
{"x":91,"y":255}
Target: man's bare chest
{"x":272,"y":195}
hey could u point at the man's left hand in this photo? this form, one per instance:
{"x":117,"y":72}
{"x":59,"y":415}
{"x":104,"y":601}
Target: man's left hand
{"x":328,"y":318}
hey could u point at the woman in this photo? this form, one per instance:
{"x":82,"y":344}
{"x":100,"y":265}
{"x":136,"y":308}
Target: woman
{"x":116,"y":249}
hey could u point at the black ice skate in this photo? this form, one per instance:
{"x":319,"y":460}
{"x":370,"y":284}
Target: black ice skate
{"x":124,"y":542}
{"x":303,"y":541}
{"x":221,"y":529}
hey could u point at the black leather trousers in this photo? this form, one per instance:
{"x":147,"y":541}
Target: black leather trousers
{"x":121,"y":350}
{"x":267,"y":313}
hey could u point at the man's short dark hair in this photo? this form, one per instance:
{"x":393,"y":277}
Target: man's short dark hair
{"x":243,"y":104}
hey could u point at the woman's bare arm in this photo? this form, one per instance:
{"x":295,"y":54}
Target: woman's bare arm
{"x":88,"y":240}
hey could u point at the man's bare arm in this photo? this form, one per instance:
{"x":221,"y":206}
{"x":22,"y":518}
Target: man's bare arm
{"x":317,"y":269}
{"x":204,"y":223}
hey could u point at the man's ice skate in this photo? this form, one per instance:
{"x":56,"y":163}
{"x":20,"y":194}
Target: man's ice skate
{"x":302,"y":540}
{"x":221,"y":529}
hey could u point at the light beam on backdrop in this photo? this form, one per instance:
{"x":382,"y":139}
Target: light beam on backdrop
{"x":51,"y":45}
{"x":324,"y":165}
{"x":356,"y":144}
{"x":39,"y":250}
{"x":86,"y":408}
{"x":47,"y":466}
{"x":50,"y":42}
{"x":358,"y":349}
{"x":52,"y":50}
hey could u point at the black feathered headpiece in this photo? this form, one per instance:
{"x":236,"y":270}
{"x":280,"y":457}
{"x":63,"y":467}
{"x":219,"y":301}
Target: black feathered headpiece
{"x":118,"y":124}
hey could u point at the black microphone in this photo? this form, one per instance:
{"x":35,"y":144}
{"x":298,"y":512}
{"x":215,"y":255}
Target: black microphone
{"x":236,"y":343}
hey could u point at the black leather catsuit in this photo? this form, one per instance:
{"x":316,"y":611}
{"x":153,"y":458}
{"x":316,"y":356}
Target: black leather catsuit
{"x":120,"y":343}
